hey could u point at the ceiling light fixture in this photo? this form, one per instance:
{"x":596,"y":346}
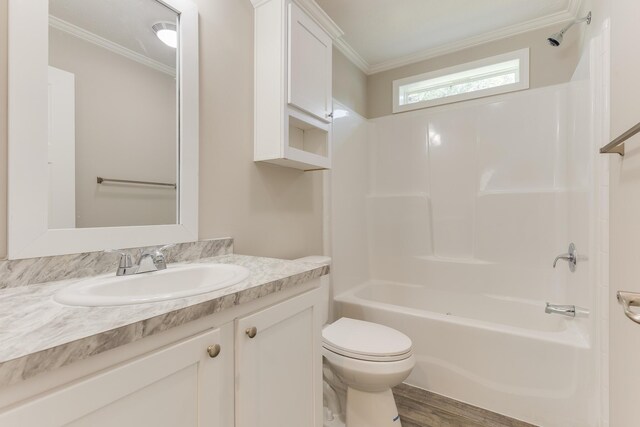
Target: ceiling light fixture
{"x":166,"y":32}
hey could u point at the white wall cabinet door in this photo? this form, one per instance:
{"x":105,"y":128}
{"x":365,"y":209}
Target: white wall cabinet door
{"x":310,"y":55}
{"x":180,"y":385}
{"x":279,"y":369}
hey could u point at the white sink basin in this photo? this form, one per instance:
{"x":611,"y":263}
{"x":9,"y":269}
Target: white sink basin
{"x":176,"y":281}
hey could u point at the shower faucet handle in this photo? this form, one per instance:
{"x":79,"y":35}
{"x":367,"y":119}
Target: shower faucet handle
{"x":571,"y":257}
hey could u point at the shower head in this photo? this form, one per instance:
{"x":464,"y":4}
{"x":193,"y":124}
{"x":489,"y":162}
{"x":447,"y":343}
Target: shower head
{"x":556,"y":39}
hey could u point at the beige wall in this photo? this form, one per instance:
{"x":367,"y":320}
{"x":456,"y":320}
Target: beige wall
{"x":270,"y":210}
{"x":125,"y":129}
{"x":624,"y":255}
{"x":349,"y":84}
{"x":3,"y":129}
{"x":548,"y":65}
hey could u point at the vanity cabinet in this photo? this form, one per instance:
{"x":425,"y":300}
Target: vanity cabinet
{"x":293,"y":84}
{"x":279,"y":365}
{"x":216,"y":371}
{"x":180,"y":385}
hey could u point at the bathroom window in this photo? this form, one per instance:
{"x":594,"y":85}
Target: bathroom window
{"x":490,"y":76}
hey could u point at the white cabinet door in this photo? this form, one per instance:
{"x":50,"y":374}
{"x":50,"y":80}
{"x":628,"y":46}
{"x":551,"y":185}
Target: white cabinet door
{"x":279,"y":369}
{"x":310,"y":53}
{"x":180,"y":385}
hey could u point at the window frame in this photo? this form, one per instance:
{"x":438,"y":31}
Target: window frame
{"x":522,"y":55}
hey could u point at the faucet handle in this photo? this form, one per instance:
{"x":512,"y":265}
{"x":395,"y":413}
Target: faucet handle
{"x":157,"y":256}
{"x":125,"y":258}
{"x":161,"y":249}
{"x":571,"y":257}
{"x":565,"y":257}
{"x":125,"y":266}
{"x":157,"y":250}
{"x":161,"y":262}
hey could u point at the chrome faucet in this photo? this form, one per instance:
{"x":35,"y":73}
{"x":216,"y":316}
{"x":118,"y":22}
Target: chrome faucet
{"x":571,"y":257}
{"x":564,"y":310}
{"x":152,"y":259}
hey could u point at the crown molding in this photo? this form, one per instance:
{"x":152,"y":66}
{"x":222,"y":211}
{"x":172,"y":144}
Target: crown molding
{"x":352,"y":55}
{"x":95,"y":39}
{"x":315,"y":12}
{"x":535,"y":24}
{"x":570,"y":13}
{"x":320,"y":16}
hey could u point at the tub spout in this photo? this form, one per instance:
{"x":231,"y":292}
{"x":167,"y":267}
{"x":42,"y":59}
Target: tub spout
{"x":565,"y":310}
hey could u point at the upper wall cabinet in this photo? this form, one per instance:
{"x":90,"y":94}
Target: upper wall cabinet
{"x":293,"y":102}
{"x":310,"y":50}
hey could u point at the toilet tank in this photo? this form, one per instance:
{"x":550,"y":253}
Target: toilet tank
{"x":325,"y":284}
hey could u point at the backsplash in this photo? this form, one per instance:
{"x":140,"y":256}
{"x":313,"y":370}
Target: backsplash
{"x":22,"y":272}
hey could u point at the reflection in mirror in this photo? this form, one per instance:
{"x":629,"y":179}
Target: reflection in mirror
{"x":113,"y":110}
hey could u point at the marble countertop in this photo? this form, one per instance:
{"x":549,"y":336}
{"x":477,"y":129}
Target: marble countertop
{"x":39,"y":334}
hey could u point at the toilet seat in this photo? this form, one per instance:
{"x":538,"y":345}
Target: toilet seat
{"x":366,"y":357}
{"x":366,"y":341}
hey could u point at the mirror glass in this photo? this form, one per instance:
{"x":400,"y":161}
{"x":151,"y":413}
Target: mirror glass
{"x":113,"y":113}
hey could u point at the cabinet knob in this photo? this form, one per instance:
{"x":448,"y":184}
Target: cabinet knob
{"x":213,"y":350}
{"x":251,"y":332}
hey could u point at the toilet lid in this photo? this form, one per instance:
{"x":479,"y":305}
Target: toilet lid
{"x":365,"y":340}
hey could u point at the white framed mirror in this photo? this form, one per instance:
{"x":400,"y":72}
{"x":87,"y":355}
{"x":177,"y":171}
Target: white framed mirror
{"x":103,"y":125}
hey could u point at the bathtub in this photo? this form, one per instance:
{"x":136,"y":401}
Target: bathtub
{"x":502,"y":354}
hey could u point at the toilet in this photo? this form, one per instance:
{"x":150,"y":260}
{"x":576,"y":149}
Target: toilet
{"x":369,"y":359}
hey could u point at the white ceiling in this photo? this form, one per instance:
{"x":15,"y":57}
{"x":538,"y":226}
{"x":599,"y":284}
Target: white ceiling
{"x":124,"y":22}
{"x":384,"y":34}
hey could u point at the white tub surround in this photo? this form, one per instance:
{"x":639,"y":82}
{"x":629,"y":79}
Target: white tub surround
{"x":44,"y":335}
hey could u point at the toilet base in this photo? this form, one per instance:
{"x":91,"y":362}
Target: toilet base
{"x":371,"y":409}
